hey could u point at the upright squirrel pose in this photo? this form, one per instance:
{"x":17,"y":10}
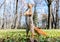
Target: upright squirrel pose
{"x":29,"y":19}
{"x":29,"y":22}
{"x":30,"y":25}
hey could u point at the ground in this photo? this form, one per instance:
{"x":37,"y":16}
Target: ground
{"x":17,"y":35}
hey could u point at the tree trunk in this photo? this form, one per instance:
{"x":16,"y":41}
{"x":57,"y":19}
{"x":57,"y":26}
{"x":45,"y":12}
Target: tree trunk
{"x":19,"y":23}
{"x":16,"y":16}
{"x":35,"y":16}
{"x":20,"y":15}
{"x":4,"y":15}
{"x":57,"y":6}
{"x":49,"y":16}
{"x":49,"y":25}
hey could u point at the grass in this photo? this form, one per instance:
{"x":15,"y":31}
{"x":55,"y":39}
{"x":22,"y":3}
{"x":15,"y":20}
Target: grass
{"x":50,"y":32}
{"x":17,"y":35}
{"x":53,"y":32}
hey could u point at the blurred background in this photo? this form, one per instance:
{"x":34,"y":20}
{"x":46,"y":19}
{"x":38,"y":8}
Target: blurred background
{"x":46,"y":14}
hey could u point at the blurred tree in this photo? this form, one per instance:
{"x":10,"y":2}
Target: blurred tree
{"x":55,"y":14}
{"x":20,"y":16}
{"x":44,"y":20}
{"x":57,"y":7}
{"x":16,"y":15}
{"x":35,"y":19}
{"x":4,"y":14}
{"x":49,"y":18}
{"x":2,"y":4}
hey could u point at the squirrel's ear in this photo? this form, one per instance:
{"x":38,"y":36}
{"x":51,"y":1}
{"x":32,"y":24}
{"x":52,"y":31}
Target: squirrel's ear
{"x":31,"y":5}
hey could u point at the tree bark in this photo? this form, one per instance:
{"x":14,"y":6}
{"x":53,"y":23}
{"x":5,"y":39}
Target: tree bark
{"x":16,"y":16}
{"x":35,"y":19}
{"x":57,"y":6}
{"x":48,"y":16}
{"x":19,"y":22}
{"x":49,"y":20}
{"x":4,"y":15}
